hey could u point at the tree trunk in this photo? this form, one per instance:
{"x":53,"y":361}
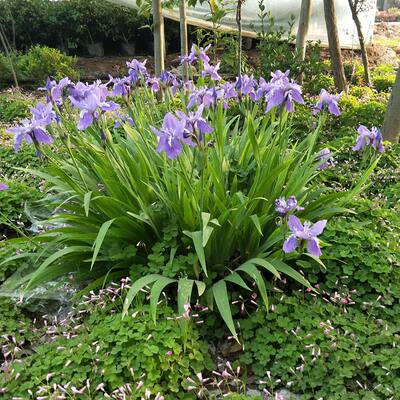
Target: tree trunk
{"x":304,"y":22}
{"x":391,"y":124}
{"x":184,"y":40}
{"x":363,"y":48}
{"x":334,"y":46}
{"x":239,"y":27}
{"x":159,"y":40}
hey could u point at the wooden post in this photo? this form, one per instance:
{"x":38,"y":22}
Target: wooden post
{"x":391,"y":124}
{"x":159,"y":39}
{"x":304,"y":22}
{"x":184,"y":38}
{"x":334,"y":46}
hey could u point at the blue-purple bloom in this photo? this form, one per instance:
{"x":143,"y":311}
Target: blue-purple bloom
{"x":281,"y":91}
{"x":205,"y":96}
{"x":368,"y":137}
{"x":3,"y":186}
{"x":55,"y":90}
{"x":31,"y":132}
{"x":305,"y":233}
{"x":328,"y":101}
{"x":211,"y":71}
{"x":43,"y":114}
{"x":171,"y":136}
{"x":283,"y":207}
{"x":167,"y":78}
{"x":326,"y":159}
{"x":153,"y":83}
{"x":136,"y":69}
{"x":121,"y":86}
{"x":195,"y":122}
{"x":91,"y":105}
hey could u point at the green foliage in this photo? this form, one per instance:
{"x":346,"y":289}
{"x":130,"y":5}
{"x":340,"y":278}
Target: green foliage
{"x":13,"y":106}
{"x":368,"y":111}
{"x":12,"y":204}
{"x":223,"y":210}
{"x":277,"y":51}
{"x":14,"y":323}
{"x":11,"y":249}
{"x":10,"y":161}
{"x":364,"y":253}
{"x":67,"y":24}
{"x":37,"y":64}
{"x":350,"y":164}
{"x":321,"y":81}
{"x":116,"y":352}
{"x":321,"y":351}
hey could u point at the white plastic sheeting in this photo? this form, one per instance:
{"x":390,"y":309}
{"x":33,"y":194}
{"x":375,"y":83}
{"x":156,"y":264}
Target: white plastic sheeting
{"x":282,"y":10}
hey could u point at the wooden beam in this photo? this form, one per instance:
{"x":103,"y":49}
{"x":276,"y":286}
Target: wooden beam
{"x":159,"y":38}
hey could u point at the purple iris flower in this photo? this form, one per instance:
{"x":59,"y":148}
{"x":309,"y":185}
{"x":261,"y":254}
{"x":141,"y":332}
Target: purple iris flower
{"x":43,"y":114}
{"x":283,"y":206}
{"x":191,"y":57}
{"x":328,"y":101}
{"x":136,"y":69}
{"x":204,"y":96}
{"x":91,"y":105}
{"x":153,"y":83}
{"x":122,"y":119}
{"x":167,"y":78}
{"x":283,"y":93}
{"x":121,"y":86}
{"x":325,"y":156}
{"x":195,"y":122}
{"x":246,"y":85}
{"x":307,"y":232}
{"x":55,"y":90}
{"x":202,"y":53}
{"x":368,"y":137}
{"x":31,"y":132}
{"x":171,"y":136}
{"x":176,"y":86}
{"x":212,"y":71}
{"x":279,"y":77}
{"x":3,"y":186}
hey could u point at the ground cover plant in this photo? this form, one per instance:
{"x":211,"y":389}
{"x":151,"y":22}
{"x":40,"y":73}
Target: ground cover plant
{"x":215,"y":197}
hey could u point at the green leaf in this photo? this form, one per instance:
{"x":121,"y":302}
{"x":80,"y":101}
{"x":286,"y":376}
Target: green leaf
{"x":86,"y":202}
{"x":265,"y":264}
{"x":235,"y":278}
{"x":221,"y":299}
{"x":156,"y":290}
{"x":99,"y":239}
{"x":255,"y":274}
{"x":289,"y":271}
{"x":54,"y":257}
{"x":201,"y":287}
{"x":185,"y":287}
{"x":197,"y":238}
{"x":256,"y":222}
{"x":136,"y":287}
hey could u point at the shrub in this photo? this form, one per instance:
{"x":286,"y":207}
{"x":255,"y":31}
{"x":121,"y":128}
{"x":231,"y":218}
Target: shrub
{"x":277,"y":51}
{"x":114,"y":352}
{"x":314,"y":85}
{"x":37,"y":64}
{"x":355,"y":112}
{"x":13,"y":106}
